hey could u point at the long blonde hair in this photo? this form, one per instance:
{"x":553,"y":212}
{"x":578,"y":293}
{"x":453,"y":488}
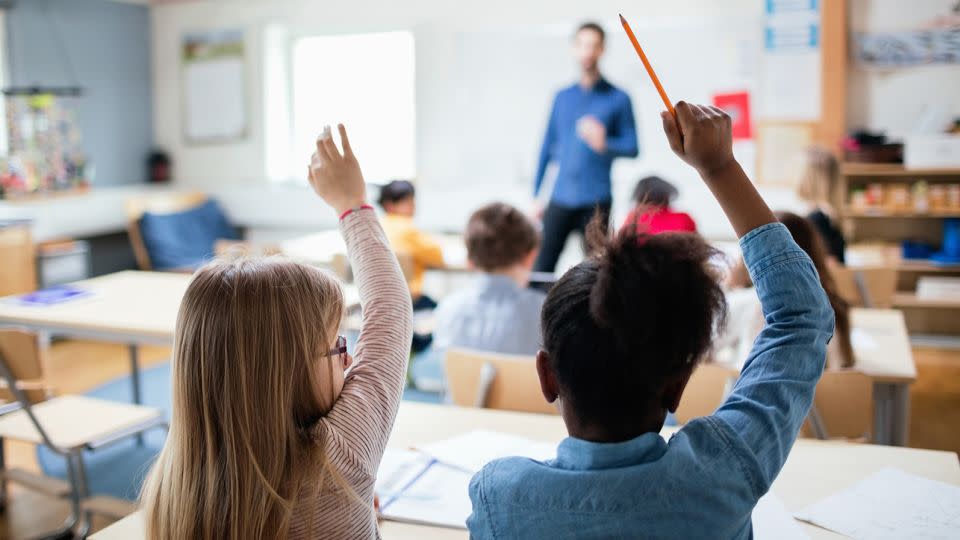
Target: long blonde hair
{"x":249,"y":379}
{"x":820,"y":183}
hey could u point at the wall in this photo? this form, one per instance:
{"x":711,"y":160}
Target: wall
{"x":108,"y":45}
{"x":894,"y":100}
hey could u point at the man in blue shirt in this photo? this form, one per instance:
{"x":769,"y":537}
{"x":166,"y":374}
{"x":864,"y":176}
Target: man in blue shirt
{"x":591,"y":123}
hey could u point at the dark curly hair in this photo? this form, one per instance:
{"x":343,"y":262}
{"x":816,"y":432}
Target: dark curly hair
{"x":499,"y":236}
{"x":639,"y":310}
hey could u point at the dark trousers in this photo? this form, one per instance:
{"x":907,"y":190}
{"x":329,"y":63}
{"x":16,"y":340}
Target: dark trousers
{"x":558,"y":223}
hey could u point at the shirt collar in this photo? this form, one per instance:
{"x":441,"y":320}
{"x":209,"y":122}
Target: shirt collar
{"x":578,"y":454}
{"x":496,"y":281}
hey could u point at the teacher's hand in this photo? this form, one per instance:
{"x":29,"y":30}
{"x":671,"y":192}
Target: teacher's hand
{"x":593,"y":132}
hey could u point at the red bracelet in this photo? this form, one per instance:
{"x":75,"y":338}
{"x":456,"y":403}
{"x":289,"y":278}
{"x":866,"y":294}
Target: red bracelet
{"x":357,"y":209}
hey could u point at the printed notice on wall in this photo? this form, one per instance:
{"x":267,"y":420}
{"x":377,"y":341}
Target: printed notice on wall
{"x":213,"y":77}
{"x":790,"y":67}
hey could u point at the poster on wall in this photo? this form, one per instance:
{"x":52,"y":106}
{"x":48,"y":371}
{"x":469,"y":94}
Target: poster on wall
{"x":214,"y":106}
{"x":911,"y":48}
{"x":790,"y":66}
{"x":737,"y":105}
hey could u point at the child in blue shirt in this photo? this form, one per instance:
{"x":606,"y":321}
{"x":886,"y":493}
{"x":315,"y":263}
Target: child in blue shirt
{"x":622,"y":333}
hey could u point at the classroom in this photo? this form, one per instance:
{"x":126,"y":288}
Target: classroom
{"x":425,"y":269}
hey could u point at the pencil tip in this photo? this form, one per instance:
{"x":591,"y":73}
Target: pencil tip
{"x":622,"y":20}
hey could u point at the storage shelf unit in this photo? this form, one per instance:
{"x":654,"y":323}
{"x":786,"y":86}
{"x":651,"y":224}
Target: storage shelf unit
{"x":926,"y":316}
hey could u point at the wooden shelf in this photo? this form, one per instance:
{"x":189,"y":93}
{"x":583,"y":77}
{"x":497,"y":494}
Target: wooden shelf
{"x":927,"y":267}
{"x":933,"y":214}
{"x":910,"y":300}
{"x":892,"y":169}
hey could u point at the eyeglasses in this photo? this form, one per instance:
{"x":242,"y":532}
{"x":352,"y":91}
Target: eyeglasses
{"x":340,"y":350}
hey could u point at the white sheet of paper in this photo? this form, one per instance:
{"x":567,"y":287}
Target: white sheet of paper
{"x":397,"y":469}
{"x":438,"y":497}
{"x":471,"y":451}
{"x":890,"y":504}
{"x":772,"y":521}
{"x":861,"y":340}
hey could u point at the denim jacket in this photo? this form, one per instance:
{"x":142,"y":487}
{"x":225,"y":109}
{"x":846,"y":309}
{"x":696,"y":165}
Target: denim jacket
{"x":706,"y":480}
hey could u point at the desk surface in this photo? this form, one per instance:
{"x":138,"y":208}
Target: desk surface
{"x":884,"y":351}
{"x":814,"y":470}
{"x":321,"y":247}
{"x":128,"y":307}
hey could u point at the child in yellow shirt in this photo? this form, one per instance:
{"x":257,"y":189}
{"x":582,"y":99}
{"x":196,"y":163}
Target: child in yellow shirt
{"x":416,"y":250}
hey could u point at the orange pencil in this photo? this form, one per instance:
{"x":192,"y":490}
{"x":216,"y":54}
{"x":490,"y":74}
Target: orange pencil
{"x":646,"y":64}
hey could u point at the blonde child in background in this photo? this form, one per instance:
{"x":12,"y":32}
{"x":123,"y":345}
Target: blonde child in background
{"x":819,"y":188}
{"x":271,"y":436}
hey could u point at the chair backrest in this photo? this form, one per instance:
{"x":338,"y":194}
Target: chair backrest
{"x":155,"y":203}
{"x":708,"y":387}
{"x":871,"y":287}
{"x":514,"y":385}
{"x":844,"y":404}
{"x":18,"y":273}
{"x":23,"y":356}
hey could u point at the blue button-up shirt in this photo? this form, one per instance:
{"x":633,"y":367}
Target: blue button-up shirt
{"x":706,"y":480}
{"x":583,"y":178}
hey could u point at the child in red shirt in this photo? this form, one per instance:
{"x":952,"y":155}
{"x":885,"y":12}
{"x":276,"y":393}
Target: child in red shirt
{"x":652,"y":213}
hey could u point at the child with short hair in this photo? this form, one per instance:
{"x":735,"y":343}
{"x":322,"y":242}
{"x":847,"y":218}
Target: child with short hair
{"x":272,"y":436}
{"x":496,"y":312}
{"x":652,"y":214}
{"x":398,"y":200}
{"x":622,"y":334}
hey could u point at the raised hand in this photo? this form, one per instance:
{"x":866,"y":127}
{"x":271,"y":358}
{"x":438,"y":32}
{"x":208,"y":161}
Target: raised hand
{"x":336,"y":177}
{"x":704,"y":138}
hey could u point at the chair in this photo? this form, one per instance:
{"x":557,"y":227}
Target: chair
{"x":871,"y":287}
{"x":67,"y":425}
{"x":708,"y":386}
{"x":494,"y":381}
{"x":166,"y":209}
{"x":842,"y":407}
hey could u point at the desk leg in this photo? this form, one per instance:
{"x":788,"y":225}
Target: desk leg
{"x":891,"y":413}
{"x":135,"y":380}
{"x":900,"y":402}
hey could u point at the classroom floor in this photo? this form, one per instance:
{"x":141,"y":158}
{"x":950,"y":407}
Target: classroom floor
{"x":78,"y":366}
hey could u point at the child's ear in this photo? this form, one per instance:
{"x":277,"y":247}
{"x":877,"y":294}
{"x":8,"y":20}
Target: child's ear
{"x":673,"y":390}
{"x":530,"y":259}
{"x":548,"y":381}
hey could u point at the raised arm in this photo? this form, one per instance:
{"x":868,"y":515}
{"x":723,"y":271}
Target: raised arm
{"x":622,"y":138}
{"x":363,"y":415}
{"x":546,"y":150}
{"x":773,"y":395}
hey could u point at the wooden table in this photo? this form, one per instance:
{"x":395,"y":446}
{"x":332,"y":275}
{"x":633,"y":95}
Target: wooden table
{"x":321,"y":248}
{"x":814,"y":470}
{"x":131,"y":307}
{"x":883,"y":352}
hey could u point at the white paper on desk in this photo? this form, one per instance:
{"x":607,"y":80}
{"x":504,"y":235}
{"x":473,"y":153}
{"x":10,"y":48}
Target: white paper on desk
{"x":471,"y":451}
{"x":890,"y":504}
{"x":437,"y":495}
{"x":772,"y":521}
{"x":862,"y":340}
{"x":397,"y":469}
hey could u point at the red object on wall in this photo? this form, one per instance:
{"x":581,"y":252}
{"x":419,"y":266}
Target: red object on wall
{"x":737,"y":105}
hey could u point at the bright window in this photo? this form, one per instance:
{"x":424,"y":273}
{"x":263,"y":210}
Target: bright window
{"x":365,"y":81}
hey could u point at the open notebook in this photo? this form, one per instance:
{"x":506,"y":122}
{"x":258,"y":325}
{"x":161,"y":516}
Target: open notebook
{"x":430,"y":486}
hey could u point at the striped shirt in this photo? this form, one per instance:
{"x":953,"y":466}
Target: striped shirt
{"x":354,"y":433}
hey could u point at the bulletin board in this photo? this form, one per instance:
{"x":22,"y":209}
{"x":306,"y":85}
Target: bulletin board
{"x":214,"y":81}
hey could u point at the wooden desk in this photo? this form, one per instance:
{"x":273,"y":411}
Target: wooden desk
{"x":321,"y":248}
{"x":884,"y":353}
{"x":814,"y":470}
{"x":131,"y":307}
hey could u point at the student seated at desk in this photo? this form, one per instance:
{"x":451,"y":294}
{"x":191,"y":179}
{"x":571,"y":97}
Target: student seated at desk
{"x":271,"y":436}
{"x":398,"y":199}
{"x":622,"y":333}
{"x":652,"y":213}
{"x":820,"y":188}
{"x":497,"y":312}
{"x":745,"y":319}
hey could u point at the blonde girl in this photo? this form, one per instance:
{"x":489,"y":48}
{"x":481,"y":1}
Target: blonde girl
{"x":271,"y":436}
{"x":819,"y":187}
